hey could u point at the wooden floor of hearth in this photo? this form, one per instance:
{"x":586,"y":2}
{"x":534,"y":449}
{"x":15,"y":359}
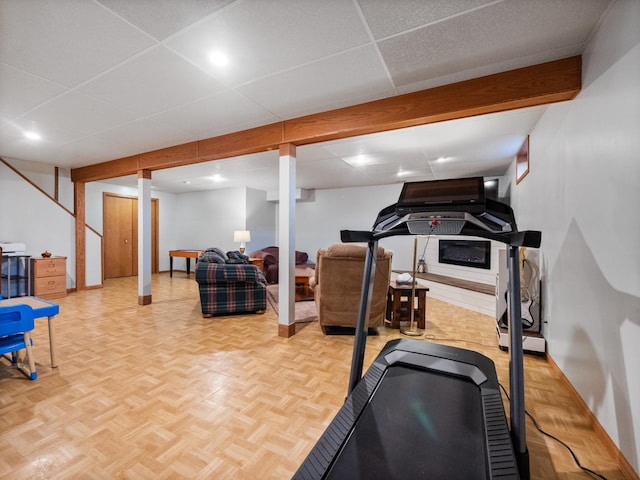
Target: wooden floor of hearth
{"x":158,"y":392}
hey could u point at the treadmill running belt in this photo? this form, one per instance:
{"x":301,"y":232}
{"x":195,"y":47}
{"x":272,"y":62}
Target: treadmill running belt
{"x":417,"y":425}
{"x":422,"y":410}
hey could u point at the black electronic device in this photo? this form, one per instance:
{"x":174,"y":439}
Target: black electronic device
{"x":441,"y":194}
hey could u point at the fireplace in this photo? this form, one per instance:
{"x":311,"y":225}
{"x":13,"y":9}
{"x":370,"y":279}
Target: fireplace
{"x":468,"y":253}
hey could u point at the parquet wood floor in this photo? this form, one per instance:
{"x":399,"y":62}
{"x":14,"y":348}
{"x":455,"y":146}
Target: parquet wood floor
{"x":158,"y":392}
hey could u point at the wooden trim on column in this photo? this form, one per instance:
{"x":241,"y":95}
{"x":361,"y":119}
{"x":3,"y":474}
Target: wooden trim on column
{"x":286,"y":331}
{"x":287,"y":150}
{"x":145,"y":174}
{"x":144,"y":300}
{"x":524,"y":87}
{"x":80,"y":214}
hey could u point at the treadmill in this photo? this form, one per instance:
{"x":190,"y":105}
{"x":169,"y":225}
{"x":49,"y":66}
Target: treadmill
{"x":425,"y":410}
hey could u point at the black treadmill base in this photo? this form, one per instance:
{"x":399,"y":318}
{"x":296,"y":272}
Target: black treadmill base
{"x":422,"y":410}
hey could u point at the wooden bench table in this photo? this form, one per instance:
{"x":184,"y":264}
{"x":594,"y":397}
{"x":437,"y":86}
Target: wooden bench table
{"x":187,"y":254}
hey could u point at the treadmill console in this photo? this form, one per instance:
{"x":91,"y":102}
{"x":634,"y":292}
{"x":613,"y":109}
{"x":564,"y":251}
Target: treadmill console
{"x":458,"y":194}
{"x":447,"y":207}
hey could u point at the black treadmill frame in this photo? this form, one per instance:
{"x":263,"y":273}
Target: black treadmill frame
{"x":489,"y":219}
{"x":463,"y":365}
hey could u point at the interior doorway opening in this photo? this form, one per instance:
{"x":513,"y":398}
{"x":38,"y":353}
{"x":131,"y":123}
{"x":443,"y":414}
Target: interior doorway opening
{"x":120,"y":234}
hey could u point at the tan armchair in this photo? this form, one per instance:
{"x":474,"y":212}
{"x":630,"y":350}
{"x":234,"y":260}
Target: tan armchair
{"x":338,"y":284}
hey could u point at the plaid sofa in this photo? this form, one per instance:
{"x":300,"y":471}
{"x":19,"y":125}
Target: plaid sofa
{"x":227,"y":286}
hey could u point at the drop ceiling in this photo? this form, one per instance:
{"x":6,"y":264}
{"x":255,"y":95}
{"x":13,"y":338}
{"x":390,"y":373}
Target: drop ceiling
{"x":105,"y":79}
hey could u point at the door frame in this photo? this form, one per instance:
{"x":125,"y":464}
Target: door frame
{"x":155,"y":214}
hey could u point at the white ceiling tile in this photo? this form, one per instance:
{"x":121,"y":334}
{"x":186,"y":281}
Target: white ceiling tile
{"x":52,"y":134}
{"x":352,"y":77}
{"x":152,"y":82}
{"x":20,"y":91}
{"x":257,"y":170}
{"x":462,"y":71}
{"x":144,"y":135}
{"x":392,"y":141}
{"x":452,"y":170}
{"x":66,"y":41}
{"x":161,"y":18}
{"x":222,"y":113}
{"x":87,"y":151}
{"x":387,"y":18}
{"x":35,"y":153}
{"x":499,"y":32}
{"x":14,"y":144}
{"x":328,"y":163}
{"x":80,"y":113}
{"x":73,"y":67}
{"x":262,"y":37}
{"x":467,"y":134}
{"x":314,"y":153}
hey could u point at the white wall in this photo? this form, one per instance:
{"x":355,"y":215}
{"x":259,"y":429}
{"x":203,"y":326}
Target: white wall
{"x":43,"y":175}
{"x":29,"y":217}
{"x":261,"y":220}
{"x":208,"y":219}
{"x":583,"y":193}
{"x":318,"y":223}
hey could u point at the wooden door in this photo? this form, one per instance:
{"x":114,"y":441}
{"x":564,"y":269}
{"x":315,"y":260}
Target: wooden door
{"x":120,"y":232}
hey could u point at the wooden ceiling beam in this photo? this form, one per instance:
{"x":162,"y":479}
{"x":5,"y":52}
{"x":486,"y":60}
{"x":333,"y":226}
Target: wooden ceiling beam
{"x":525,"y":87}
{"x":545,"y":83}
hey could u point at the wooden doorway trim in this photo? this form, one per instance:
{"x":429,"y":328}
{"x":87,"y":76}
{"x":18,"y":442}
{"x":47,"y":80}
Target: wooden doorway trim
{"x":133,"y":234}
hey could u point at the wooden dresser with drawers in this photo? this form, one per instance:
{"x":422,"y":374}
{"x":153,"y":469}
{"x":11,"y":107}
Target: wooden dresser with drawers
{"x":49,"y":277}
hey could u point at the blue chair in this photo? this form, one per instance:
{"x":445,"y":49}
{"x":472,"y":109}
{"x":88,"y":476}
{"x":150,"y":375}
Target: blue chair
{"x":16,"y":323}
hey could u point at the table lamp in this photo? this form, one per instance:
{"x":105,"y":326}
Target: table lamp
{"x":242,"y":236}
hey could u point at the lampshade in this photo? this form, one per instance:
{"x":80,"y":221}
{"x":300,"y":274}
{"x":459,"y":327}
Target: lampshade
{"x":242,"y":236}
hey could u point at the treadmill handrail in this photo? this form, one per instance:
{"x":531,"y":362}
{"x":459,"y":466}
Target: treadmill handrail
{"x":513,"y":238}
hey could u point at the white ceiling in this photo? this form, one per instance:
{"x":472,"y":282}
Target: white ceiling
{"x":105,"y":79}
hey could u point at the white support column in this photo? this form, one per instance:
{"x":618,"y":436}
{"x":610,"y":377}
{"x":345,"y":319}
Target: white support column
{"x":144,"y":237}
{"x":286,"y":234}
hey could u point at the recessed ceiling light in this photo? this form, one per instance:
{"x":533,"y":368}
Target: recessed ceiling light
{"x":216,"y":178}
{"x":186,"y":182}
{"x":32,"y":135}
{"x":218,"y":58}
{"x":403,"y":173}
